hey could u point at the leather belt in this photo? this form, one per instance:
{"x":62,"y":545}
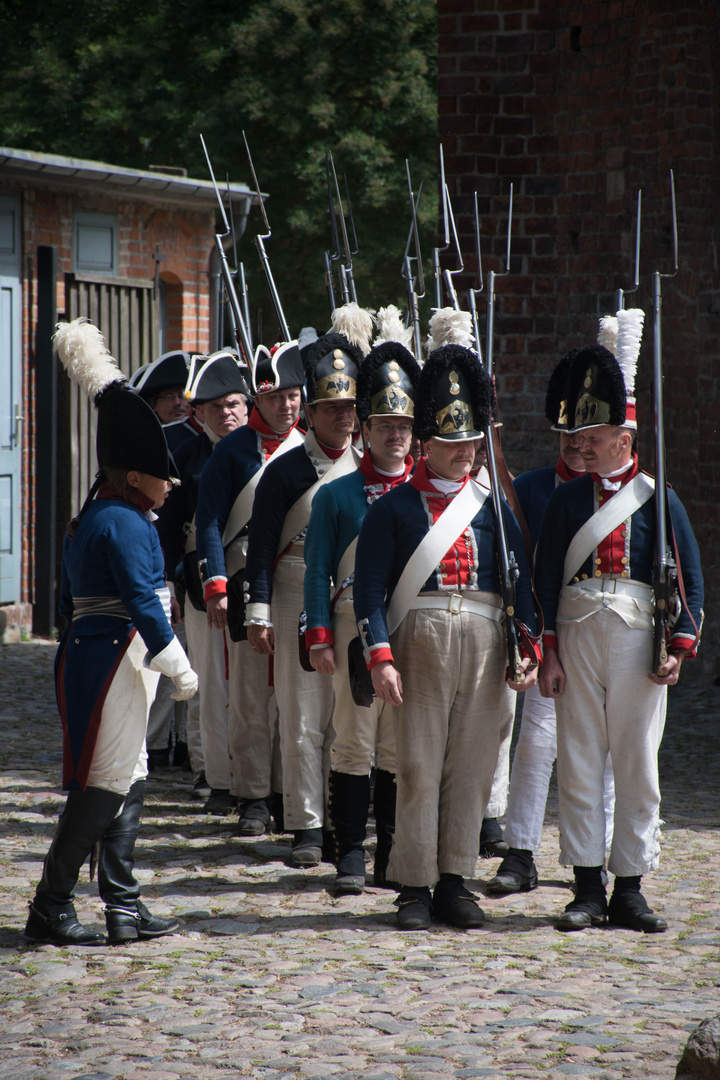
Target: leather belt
{"x":616,"y":585}
{"x":458,"y":603}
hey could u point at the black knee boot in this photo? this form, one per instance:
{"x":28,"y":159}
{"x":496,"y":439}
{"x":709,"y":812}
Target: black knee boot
{"x":384,"y":802}
{"x":349,"y":804}
{"x":126,"y":916}
{"x":52,"y":914}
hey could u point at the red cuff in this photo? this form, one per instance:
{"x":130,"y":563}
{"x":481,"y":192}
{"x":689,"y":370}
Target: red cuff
{"x":550,"y":641}
{"x":318,"y":635}
{"x":216,"y":587}
{"x":685,"y":645}
{"x":377,"y":656}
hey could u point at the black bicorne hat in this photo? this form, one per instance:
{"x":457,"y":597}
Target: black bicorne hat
{"x":453,"y":396}
{"x":215,"y":376}
{"x":278,"y":369}
{"x":596,"y":392}
{"x":331,"y":369}
{"x":170,"y":369}
{"x":387,"y":382}
{"x":130,"y":435}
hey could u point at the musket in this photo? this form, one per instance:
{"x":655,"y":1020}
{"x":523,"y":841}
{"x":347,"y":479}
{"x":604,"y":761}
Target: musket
{"x":260,"y":245}
{"x":622,"y":293}
{"x":347,"y":281}
{"x":664,"y":566}
{"x":415,"y":283}
{"x":243,"y":340}
{"x":509,"y":572}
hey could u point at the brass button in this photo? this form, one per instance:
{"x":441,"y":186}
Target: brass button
{"x":624,"y":532}
{"x":598,"y":573}
{"x":598,"y":562}
{"x":624,"y":560}
{"x":624,"y":573}
{"x":575,"y":579}
{"x":584,"y":577}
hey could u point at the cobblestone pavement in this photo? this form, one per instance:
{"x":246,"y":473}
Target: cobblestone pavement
{"x":271,"y":977}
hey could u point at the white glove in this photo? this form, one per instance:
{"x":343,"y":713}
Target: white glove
{"x":186,"y":684}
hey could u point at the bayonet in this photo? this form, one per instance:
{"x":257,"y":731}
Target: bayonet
{"x":622,"y":293}
{"x":260,"y":244}
{"x":449,"y":274}
{"x":665,"y":576}
{"x":347,"y":282}
{"x":437,"y":273}
{"x":415,"y":282}
{"x":243,"y":341}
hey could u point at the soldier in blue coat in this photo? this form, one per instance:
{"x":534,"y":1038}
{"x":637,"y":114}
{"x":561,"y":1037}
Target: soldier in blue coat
{"x":117,"y":642}
{"x":594,"y":573}
{"x":437,"y":652}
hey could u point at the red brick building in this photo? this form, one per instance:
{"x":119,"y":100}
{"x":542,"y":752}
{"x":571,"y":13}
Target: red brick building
{"x":135,"y":252}
{"x":580,"y":104}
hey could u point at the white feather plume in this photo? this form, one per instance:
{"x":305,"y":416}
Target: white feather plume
{"x":355,"y":323}
{"x":608,"y":332}
{"x":450,"y":327}
{"x":84,"y":355}
{"x":629,"y":339}
{"x":391,"y":327}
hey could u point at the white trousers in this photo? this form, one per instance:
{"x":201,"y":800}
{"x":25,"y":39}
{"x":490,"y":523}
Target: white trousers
{"x":362,"y":736}
{"x":255,"y":768}
{"x":535,"y":755}
{"x":501,"y":780}
{"x":206,"y":649}
{"x":120,"y":757}
{"x":448,"y":730}
{"x":305,"y":707}
{"x":609,"y":705}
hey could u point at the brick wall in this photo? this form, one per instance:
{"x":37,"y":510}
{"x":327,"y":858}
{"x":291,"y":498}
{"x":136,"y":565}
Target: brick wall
{"x":185,"y":241}
{"x":579,"y":104}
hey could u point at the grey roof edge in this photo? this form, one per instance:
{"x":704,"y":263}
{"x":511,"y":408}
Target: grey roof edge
{"x":138,"y":182}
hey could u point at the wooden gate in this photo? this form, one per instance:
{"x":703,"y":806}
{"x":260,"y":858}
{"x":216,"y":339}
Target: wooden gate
{"x":128,"y":315}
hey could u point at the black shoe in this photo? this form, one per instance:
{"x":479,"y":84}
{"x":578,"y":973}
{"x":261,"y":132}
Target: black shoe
{"x":221,"y":802}
{"x":201,"y":789}
{"x":307,"y":848}
{"x":492,"y":845}
{"x":133,"y":923}
{"x":589,"y":908}
{"x":455,"y":905}
{"x":254,"y":818}
{"x":59,"y":929}
{"x":516,"y":873}
{"x":414,"y":908}
{"x":349,"y":884}
{"x":631,"y":911}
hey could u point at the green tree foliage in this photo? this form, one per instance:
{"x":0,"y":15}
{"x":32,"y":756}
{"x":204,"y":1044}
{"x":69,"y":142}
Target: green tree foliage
{"x":135,"y":84}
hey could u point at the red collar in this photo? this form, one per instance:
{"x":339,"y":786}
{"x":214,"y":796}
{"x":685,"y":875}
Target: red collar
{"x":566,"y":473}
{"x":630,"y":473}
{"x":257,"y":423}
{"x":372,"y":476}
{"x":331,"y":451}
{"x":421,"y":479}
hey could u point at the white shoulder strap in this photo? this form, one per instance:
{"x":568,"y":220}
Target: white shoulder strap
{"x":449,"y":526}
{"x":623,"y":505}
{"x":242,"y":507}
{"x":298,"y":515}
{"x":347,"y":563}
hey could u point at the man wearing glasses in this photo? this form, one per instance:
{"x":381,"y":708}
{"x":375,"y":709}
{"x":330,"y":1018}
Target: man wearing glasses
{"x":385,"y":397}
